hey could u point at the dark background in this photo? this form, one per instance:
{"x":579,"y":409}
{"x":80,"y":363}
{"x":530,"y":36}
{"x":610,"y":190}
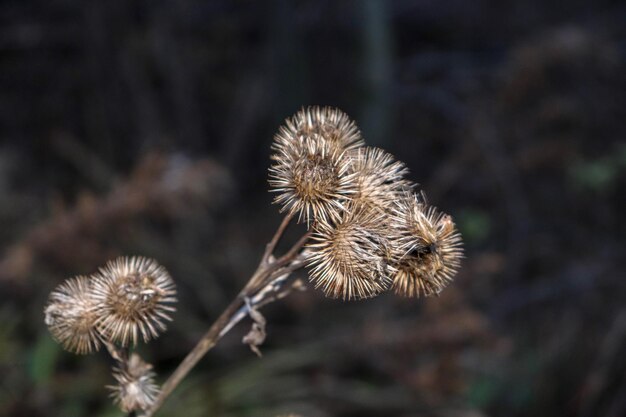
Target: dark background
{"x":144,"y":127}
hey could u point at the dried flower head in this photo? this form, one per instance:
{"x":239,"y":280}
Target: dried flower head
{"x":71,"y":318}
{"x":350,"y":256}
{"x":312,"y":178}
{"x":135,"y":389}
{"x":325,"y":124}
{"x":432,"y":249}
{"x":379,"y":177}
{"x":134,"y":297}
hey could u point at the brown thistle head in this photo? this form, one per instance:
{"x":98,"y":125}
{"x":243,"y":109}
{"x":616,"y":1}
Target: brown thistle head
{"x":349,"y":256}
{"x":134,"y":296}
{"x":312,"y":178}
{"x":135,"y":389}
{"x":71,"y":316}
{"x":379,"y":177}
{"x":431,"y":245}
{"x":326,"y":124}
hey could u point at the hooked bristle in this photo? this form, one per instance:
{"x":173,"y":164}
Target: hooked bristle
{"x":312,"y":178}
{"x":432,"y":249}
{"x":379,"y":177}
{"x":71,"y":316}
{"x":135,"y":389}
{"x":135,"y":297}
{"x":349,"y":256}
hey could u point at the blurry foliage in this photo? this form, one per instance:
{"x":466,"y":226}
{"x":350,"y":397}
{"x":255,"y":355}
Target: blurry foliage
{"x":475,"y":225}
{"x":601,"y":174}
{"x":43,"y":359}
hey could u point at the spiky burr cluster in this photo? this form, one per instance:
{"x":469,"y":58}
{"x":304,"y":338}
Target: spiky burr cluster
{"x":371,"y":231}
{"x":125,"y":299}
{"x":128,"y":297}
{"x":133,"y":296}
{"x":135,"y":388}
{"x":350,"y":255}
{"x":433,"y":248}
{"x":71,"y":316}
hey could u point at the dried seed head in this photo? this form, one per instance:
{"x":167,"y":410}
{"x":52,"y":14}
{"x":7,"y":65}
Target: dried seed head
{"x":432,"y":249}
{"x":379,"y":177}
{"x":71,"y":318}
{"x":135,"y":389}
{"x":325,"y":124}
{"x":350,"y":256}
{"x":134,"y":296}
{"x":312,"y":179}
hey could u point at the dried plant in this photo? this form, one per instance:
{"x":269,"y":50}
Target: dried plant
{"x":126,"y":298}
{"x":321,"y":124}
{"x":367,"y":232}
{"x":71,"y":317}
{"x":379,"y":177}
{"x":433,"y":248}
{"x":160,"y":187}
{"x":312,"y":178}
{"x":133,"y":296}
{"x":135,"y":389}
{"x":349,"y":256}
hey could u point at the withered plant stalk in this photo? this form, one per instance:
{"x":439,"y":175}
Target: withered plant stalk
{"x":265,"y":285}
{"x":368,"y":232}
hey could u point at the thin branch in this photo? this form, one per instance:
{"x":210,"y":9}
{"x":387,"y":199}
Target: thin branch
{"x":264,"y":296}
{"x":267,"y":279}
{"x":295,"y":285}
{"x":268,"y":265}
{"x":244,"y":309}
{"x":288,"y":257}
{"x":120,"y":355}
{"x":205,"y":344}
{"x":269,"y":249}
{"x":285,"y":271}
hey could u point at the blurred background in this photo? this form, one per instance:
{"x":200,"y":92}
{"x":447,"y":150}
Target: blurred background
{"x":144,"y":127}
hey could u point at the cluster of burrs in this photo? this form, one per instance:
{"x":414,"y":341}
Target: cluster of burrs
{"x":371,"y":230}
{"x":127,"y":299}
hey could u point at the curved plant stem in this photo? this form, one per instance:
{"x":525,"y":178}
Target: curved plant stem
{"x":205,"y":344}
{"x":119,"y":354}
{"x":265,"y":281}
{"x":288,"y":257}
{"x":271,"y":246}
